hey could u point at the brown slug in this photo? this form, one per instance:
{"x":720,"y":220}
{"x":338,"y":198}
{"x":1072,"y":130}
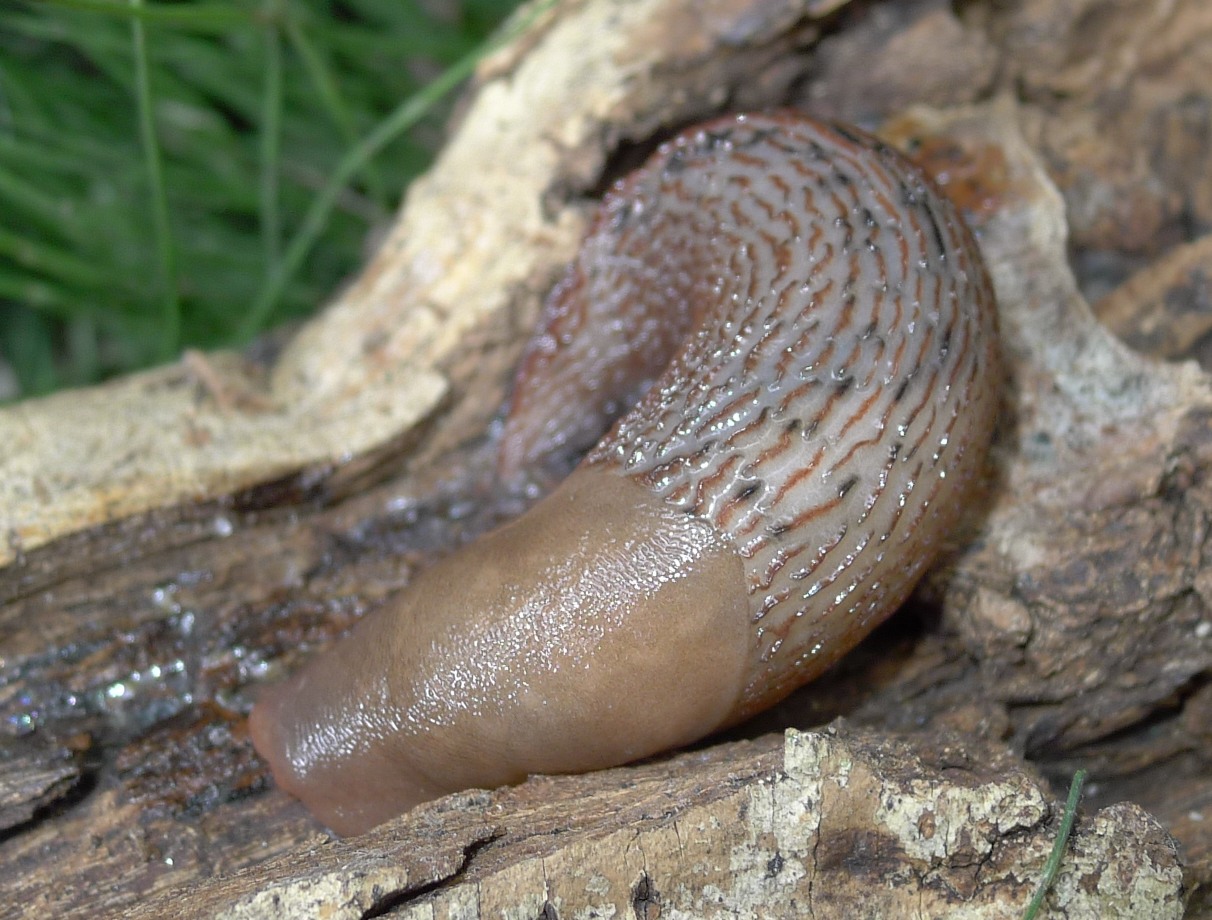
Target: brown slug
{"x":810,"y":334}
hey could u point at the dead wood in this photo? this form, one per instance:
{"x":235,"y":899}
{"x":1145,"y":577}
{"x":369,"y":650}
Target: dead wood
{"x":170,"y":545}
{"x":820,"y":826}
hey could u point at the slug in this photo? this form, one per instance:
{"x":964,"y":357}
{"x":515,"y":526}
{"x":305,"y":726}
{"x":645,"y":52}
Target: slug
{"x":808,"y":335}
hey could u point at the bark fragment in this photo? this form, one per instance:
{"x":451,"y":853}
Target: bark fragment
{"x":832,"y":823}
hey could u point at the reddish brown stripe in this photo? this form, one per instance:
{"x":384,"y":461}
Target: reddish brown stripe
{"x":800,"y":283}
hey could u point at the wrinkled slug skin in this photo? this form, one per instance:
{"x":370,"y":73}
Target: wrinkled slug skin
{"x":810,"y":334}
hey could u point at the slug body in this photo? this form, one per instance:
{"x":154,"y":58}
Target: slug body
{"x":810,"y":334}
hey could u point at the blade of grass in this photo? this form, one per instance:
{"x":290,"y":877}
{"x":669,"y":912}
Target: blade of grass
{"x":361,"y":41}
{"x":39,"y":295}
{"x":83,"y":349}
{"x":415,"y":32}
{"x":34,"y":205}
{"x":27,"y":342}
{"x":1052,"y":866}
{"x":332,"y":101}
{"x":404,"y":117}
{"x":37,"y":256}
{"x":79,"y":156}
{"x":165,"y":248}
{"x":271,"y":148}
{"x":208,"y":17}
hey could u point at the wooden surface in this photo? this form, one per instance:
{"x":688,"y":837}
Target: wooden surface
{"x":832,"y":824}
{"x":149,"y":595}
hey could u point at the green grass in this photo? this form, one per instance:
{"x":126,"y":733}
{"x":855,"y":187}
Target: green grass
{"x":1059,"y":845}
{"x":191,"y":173}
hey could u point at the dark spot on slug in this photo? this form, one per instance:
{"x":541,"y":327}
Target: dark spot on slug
{"x":852,"y":136}
{"x":676,"y":163}
{"x":748,"y":492}
{"x":715,"y":140}
{"x":937,"y":231}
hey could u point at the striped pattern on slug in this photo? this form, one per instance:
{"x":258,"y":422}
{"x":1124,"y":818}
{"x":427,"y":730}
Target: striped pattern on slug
{"x":810,"y":333}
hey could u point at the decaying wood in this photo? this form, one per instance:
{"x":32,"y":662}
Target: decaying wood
{"x":766,"y":828}
{"x":1165,"y":309}
{"x":170,"y":547}
{"x":31,"y":777}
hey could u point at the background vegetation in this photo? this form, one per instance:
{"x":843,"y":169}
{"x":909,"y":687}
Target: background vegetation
{"x":181,"y":174}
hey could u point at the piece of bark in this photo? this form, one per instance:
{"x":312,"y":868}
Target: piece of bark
{"x":835,"y":823}
{"x":1099,"y":504}
{"x":1075,"y":625}
{"x":1117,"y":103}
{"x":33,"y":777}
{"x":1125,"y":114}
{"x":1165,"y":310}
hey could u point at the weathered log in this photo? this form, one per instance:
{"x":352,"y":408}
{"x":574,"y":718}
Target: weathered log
{"x":834,"y":824}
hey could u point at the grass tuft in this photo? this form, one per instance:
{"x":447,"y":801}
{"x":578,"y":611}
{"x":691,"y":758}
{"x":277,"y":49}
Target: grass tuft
{"x":168,"y":169}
